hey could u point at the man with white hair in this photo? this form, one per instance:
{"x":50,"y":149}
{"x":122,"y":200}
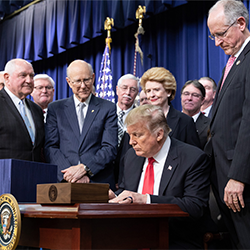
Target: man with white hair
{"x":43,"y":92}
{"x":21,"y":123}
{"x":127,"y":89}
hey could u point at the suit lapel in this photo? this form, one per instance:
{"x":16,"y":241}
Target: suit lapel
{"x":201,"y":123}
{"x":93,"y":110}
{"x":228,"y":80}
{"x":12,"y":108}
{"x":169,"y":168}
{"x":172,"y":119}
{"x":70,"y":114}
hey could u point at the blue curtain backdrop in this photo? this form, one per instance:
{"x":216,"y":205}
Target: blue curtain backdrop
{"x":51,"y":34}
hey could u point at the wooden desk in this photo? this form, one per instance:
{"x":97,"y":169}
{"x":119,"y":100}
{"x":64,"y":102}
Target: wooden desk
{"x":97,"y":226}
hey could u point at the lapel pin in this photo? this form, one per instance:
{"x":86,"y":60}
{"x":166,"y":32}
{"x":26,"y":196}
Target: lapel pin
{"x":93,"y":110}
{"x":238,"y":62}
{"x":169,"y":167}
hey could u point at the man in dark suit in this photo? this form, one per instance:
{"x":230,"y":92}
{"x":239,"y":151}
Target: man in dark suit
{"x":81,"y":131}
{"x":179,"y":174}
{"x":229,"y":143}
{"x":192,"y":98}
{"x":17,"y":140}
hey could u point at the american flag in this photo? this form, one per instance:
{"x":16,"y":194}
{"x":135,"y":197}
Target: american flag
{"x":104,"y":88}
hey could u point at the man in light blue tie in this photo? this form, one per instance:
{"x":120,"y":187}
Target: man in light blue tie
{"x":21,"y":123}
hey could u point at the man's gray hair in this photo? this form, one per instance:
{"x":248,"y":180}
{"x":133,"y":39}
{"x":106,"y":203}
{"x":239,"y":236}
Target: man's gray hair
{"x":10,"y":66}
{"x":233,"y":9}
{"x":46,"y":77}
{"x":129,"y":76}
{"x":211,"y":80}
{"x":152,"y":116}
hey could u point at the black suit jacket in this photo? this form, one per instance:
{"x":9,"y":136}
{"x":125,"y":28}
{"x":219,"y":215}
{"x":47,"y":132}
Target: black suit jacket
{"x":185,"y":183}
{"x":202,"y":126}
{"x":183,"y":127}
{"x":229,"y":143}
{"x":15,"y":141}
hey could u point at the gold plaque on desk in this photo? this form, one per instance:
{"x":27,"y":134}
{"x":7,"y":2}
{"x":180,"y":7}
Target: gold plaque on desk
{"x":68,"y":193}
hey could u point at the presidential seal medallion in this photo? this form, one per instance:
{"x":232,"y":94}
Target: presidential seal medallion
{"x":10,"y":222}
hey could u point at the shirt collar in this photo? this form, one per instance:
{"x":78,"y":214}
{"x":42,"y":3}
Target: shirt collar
{"x":125,"y":111}
{"x":77,"y":102}
{"x":195,"y":117}
{"x":13,"y":97}
{"x":161,"y":155}
{"x":242,"y":47}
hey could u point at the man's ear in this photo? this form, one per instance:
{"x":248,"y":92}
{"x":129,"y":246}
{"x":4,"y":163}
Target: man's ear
{"x":160,"y":134}
{"x":68,"y":81}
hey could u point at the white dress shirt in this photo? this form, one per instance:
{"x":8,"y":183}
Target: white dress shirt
{"x":160,"y":159}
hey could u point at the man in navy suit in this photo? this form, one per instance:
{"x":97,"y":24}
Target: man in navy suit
{"x":229,"y":144}
{"x":180,"y":174}
{"x":17,"y":140}
{"x":81,"y":131}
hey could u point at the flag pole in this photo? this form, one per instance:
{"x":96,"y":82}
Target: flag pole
{"x":139,"y":15}
{"x":109,"y":22}
{"x":104,"y":86}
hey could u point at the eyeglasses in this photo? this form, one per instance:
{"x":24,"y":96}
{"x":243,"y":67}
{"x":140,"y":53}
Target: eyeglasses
{"x":222,"y":34}
{"x":47,"y":88}
{"x":132,"y":89}
{"x":195,"y":95}
{"x":86,"y":81}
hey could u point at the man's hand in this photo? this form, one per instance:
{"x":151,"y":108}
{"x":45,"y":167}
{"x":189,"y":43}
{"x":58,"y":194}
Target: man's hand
{"x":127,"y":197}
{"x":74,"y":173}
{"x":233,"y":195}
{"x":84,"y":179}
{"x":111,"y":194}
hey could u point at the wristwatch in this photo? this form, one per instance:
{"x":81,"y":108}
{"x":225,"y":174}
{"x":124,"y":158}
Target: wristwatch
{"x":89,"y":173}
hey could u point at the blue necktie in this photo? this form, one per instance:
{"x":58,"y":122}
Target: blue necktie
{"x":26,"y":121}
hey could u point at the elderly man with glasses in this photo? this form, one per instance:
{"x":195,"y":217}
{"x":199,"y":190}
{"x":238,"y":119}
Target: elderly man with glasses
{"x":229,"y":143}
{"x":81,"y":131}
{"x":43,"y":92}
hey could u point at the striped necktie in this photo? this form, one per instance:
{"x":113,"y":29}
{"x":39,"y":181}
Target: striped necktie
{"x":120,"y":126}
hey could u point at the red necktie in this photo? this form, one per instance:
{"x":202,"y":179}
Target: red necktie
{"x":148,"y":184}
{"x":229,"y":65}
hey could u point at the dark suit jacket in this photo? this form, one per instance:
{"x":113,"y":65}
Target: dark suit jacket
{"x":230,"y":126}
{"x":185,"y":184}
{"x":96,"y":147}
{"x":183,"y":127}
{"x":15,"y":141}
{"x":202,"y":126}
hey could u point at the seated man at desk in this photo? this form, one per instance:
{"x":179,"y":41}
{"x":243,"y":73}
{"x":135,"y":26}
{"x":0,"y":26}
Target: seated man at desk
{"x":162,"y":170}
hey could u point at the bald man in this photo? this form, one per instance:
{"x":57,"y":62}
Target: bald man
{"x":81,"y":131}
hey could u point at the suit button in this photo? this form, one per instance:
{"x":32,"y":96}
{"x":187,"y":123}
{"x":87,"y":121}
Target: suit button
{"x":212,"y":133}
